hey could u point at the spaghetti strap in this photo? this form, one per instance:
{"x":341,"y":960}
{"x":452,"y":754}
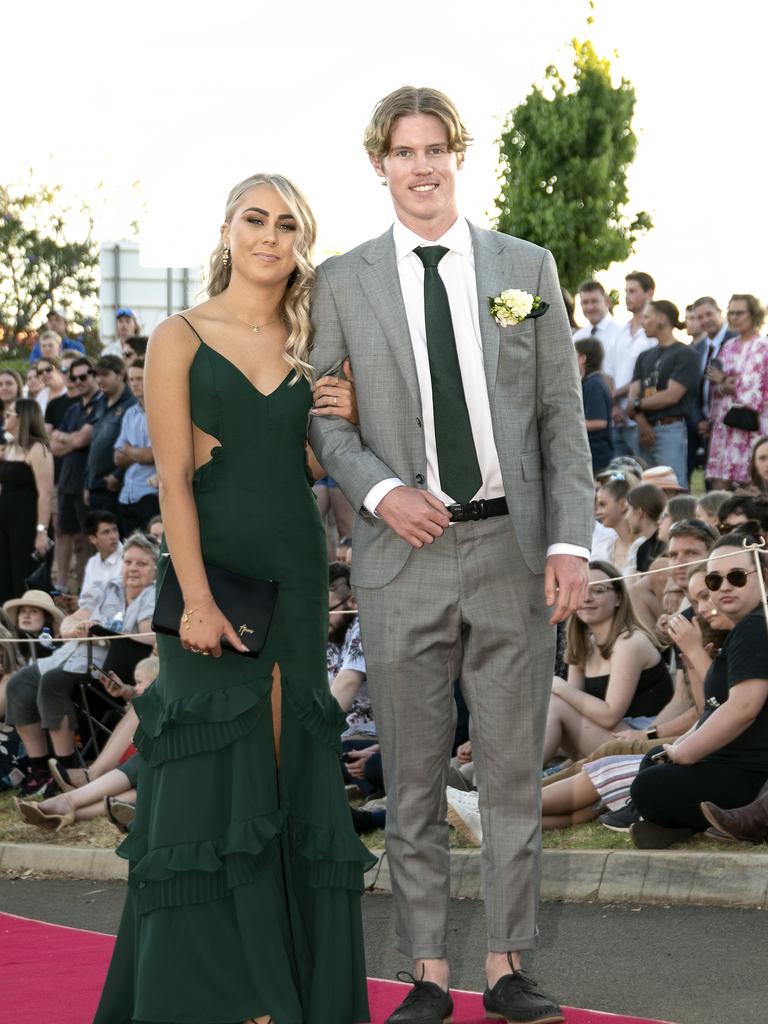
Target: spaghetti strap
{"x":189,"y":325}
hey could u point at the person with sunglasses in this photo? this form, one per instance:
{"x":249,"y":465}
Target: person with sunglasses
{"x":723,"y":759}
{"x":51,"y":381}
{"x":71,"y":442}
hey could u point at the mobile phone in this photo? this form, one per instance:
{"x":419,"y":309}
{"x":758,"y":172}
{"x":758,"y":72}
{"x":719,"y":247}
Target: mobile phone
{"x":99,"y":673}
{"x":661,"y":757}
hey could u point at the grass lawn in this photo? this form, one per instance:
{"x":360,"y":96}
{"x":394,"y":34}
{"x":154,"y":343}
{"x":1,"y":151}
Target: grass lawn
{"x":100,"y":833}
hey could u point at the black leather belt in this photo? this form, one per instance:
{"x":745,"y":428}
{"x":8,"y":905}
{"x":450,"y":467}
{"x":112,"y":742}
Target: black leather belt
{"x":475,"y":510}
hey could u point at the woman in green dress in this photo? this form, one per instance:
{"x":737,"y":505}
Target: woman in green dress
{"x":245,"y":873}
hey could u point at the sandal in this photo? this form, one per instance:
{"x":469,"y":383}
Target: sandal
{"x":32,"y":815}
{"x":119,"y":812}
{"x":62,"y":778}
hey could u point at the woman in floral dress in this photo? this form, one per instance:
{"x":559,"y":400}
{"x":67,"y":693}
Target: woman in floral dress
{"x":742,"y":381}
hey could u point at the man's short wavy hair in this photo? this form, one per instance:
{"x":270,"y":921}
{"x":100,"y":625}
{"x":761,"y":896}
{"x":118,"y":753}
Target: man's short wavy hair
{"x":411,"y":100}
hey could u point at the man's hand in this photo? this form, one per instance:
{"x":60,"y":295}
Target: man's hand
{"x":464,"y":752}
{"x":113,"y":484}
{"x":416,"y":516}
{"x":647,"y":436}
{"x":703,"y":427}
{"x":565,"y":585}
{"x":357,"y":759}
{"x":617,"y":413}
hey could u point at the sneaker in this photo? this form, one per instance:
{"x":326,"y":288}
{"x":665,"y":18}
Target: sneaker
{"x":36,"y":783}
{"x":621,"y":820}
{"x":464,"y":814}
{"x":375,"y":805}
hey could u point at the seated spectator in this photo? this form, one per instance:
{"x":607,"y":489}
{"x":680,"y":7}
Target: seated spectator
{"x":139,"y":499}
{"x":155,"y":528}
{"x":611,"y":512}
{"x":107,"y":563}
{"x":679,"y":507}
{"x":346,"y":677}
{"x":103,"y":480}
{"x":596,"y":395}
{"x":724,"y":758}
{"x":39,"y":697}
{"x":616,"y":674}
{"x":663,"y":477}
{"x":92,"y":799}
{"x":645,"y":505}
{"x":708,"y":507}
{"x":690,"y":540}
{"x":741,"y":507}
{"x":758,"y":465}
{"x":344,"y":550}
{"x":25,"y":617}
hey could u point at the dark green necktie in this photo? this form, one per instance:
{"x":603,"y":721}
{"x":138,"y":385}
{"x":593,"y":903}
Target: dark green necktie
{"x":460,"y":475}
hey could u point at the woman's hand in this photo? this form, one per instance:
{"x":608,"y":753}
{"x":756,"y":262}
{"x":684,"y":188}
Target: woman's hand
{"x":115,"y":687}
{"x":686,"y":634}
{"x":336,"y":397}
{"x":670,"y":602}
{"x":676,"y":753}
{"x":356,"y":760}
{"x":41,"y":544}
{"x":715,"y":375}
{"x":201,"y":630}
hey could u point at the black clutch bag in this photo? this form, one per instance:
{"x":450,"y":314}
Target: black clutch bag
{"x":742,"y":418}
{"x":248,"y":604}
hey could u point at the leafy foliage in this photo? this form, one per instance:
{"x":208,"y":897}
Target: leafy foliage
{"x":564,"y":155}
{"x":41,"y":265}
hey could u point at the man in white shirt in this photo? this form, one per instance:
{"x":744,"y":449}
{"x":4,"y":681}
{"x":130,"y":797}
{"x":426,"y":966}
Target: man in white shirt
{"x":107,"y":563}
{"x":471,"y":475}
{"x":597,"y":310}
{"x":619,"y":364}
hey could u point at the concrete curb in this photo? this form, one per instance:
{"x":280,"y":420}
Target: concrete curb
{"x":605,"y":876}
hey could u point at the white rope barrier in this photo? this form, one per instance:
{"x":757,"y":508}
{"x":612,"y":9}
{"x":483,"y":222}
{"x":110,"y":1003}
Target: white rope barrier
{"x":754,"y":548}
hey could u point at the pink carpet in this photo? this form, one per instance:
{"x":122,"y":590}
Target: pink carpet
{"x":53,"y":975}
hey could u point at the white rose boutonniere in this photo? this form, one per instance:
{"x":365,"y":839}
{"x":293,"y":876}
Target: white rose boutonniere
{"x":514,"y":305}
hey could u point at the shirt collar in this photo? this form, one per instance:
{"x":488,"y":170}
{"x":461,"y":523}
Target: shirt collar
{"x":605,"y":322}
{"x":115,"y":557}
{"x":457,"y":238}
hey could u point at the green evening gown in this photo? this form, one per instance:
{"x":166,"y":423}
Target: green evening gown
{"x":244,"y":887}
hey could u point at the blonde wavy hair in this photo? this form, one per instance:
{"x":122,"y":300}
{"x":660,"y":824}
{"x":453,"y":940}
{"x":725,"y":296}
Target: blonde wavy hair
{"x":294,"y":308}
{"x":411,"y":100}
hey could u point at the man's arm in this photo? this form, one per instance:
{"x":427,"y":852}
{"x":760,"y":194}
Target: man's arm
{"x":673,"y":393}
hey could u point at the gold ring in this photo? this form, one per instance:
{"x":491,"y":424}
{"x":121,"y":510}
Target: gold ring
{"x":205,"y":654}
{"x":335,"y":399}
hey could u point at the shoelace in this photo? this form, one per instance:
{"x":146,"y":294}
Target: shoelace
{"x":517,"y":981}
{"x":418,"y":984}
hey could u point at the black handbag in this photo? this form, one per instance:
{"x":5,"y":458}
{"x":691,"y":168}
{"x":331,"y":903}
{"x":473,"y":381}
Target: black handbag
{"x":248,"y":604}
{"x":742,"y":418}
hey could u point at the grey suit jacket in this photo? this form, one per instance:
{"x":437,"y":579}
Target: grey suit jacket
{"x":533,"y":388}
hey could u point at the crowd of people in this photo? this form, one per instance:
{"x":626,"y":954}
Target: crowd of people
{"x":640,"y":734}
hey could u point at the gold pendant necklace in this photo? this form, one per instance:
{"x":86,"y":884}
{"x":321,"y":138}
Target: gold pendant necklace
{"x":256,"y":328}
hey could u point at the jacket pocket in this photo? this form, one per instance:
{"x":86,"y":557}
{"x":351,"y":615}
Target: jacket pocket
{"x":531,"y":464}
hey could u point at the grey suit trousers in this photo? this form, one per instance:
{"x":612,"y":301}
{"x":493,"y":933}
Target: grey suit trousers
{"x":465,"y":606}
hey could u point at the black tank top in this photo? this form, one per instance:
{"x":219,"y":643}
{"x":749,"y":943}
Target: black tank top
{"x":654,"y":690}
{"x":17,"y":478}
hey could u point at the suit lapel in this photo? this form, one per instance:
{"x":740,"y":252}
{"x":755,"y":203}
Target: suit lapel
{"x":380,"y":282}
{"x":492,"y":276}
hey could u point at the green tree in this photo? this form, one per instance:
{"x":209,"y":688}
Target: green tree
{"x":42,"y":264}
{"x":564,"y":153}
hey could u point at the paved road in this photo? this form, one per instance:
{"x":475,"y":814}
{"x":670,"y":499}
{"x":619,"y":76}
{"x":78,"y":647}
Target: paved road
{"x":689,"y":965}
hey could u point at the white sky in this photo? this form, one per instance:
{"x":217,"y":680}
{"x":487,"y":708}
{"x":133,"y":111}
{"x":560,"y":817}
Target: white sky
{"x":189,"y":98}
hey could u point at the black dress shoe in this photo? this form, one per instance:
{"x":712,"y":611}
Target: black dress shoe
{"x":516,"y":998}
{"x":426,"y":1003}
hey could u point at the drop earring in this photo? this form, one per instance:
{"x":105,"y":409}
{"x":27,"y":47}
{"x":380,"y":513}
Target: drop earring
{"x":226,"y":256}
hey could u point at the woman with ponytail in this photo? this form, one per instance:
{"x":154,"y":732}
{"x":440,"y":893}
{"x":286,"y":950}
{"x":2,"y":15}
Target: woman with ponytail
{"x":242,"y":845}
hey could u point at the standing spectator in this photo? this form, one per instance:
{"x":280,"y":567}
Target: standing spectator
{"x":52,"y":379}
{"x":569,"y":308}
{"x":26,"y":483}
{"x":50,"y":345}
{"x":33,"y":384}
{"x":103,"y":479}
{"x":11,"y":388}
{"x":71,"y":442}
{"x":126,"y":327}
{"x":133,"y":348}
{"x":739,"y":411}
{"x":57,"y":323}
{"x":716,"y":333}
{"x":139,"y":500}
{"x":693,"y":327}
{"x":597,"y":309}
{"x":597,"y":401}
{"x":758,"y":465}
{"x":663,"y":378}
{"x":622,"y":358}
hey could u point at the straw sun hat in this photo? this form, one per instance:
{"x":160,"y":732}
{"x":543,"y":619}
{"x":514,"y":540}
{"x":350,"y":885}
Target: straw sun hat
{"x":33,"y":599}
{"x":663,"y":477}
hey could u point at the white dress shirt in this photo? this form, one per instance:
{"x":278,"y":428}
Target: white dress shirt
{"x":620,"y":361}
{"x":608,"y":332}
{"x":98,"y":572}
{"x":457,"y":271}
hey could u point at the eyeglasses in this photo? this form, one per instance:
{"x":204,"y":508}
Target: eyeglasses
{"x":601,"y":588}
{"x":80,"y":377}
{"x":736,"y":577}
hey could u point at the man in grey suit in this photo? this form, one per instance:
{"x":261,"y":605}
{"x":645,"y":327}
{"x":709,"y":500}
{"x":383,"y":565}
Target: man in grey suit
{"x":470,"y":471}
